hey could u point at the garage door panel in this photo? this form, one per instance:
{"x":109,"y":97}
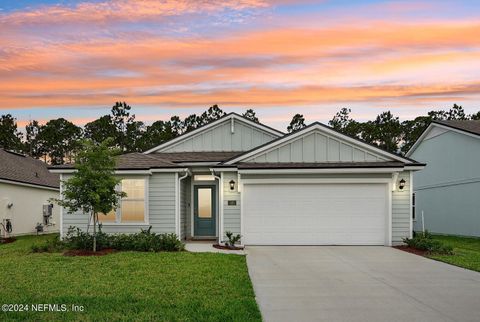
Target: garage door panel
{"x":333,"y":214}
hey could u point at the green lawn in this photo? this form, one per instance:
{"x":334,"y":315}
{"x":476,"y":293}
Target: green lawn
{"x":467,"y":252}
{"x":127,"y":286}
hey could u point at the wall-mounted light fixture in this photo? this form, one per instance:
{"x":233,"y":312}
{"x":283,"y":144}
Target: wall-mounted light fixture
{"x":401,"y":184}
{"x":232,"y":185}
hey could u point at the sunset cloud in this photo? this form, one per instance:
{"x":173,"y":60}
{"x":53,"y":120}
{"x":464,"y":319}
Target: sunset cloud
{"x":124,"y":10}
{"x":126,"y":50}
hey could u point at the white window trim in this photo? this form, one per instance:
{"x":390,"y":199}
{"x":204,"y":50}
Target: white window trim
{"x":118,"y":211}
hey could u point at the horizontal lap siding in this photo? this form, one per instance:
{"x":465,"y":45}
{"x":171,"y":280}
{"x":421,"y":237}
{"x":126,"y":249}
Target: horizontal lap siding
{"x":231,"y":214}
{"x":161,"y":206}
{"x":162,"y":202}
{"x":401,"y":210}
{"x":77,"y":219}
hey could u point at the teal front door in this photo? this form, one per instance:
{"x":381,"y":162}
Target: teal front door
{"x":204,"y":210}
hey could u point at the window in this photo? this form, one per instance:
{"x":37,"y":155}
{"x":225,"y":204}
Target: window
{"x":203,"y":177}
{"x":413,"y":206}
{"x":110,"y":217}
{"x":205,"y":202}
{"x":132,"y":207}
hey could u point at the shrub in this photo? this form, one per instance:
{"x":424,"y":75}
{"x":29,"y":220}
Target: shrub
{"x":50,"y":246}
{"x":425,"y":241}
{"x":232,"y":239}
{"x":77,"y":239}
{"x":144,"y":241}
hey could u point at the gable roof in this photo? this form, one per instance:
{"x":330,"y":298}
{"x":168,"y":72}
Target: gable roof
{"x":328,"y":130}
{"x":19,"y":168}
{"x":467,"y":127}
{"x":472,"y":127}
{"x":224,"y":118}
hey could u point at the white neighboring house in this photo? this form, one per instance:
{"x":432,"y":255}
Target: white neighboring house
{"x":315,"y":186}
{"x":26,"y":186}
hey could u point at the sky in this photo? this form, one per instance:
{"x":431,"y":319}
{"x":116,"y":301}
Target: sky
{"x":75,"y":59}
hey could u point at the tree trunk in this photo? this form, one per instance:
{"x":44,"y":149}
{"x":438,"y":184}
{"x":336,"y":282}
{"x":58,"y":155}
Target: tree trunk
{"x":94,"y":232}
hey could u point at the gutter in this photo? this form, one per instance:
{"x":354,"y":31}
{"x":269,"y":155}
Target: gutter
{"x":220,"y":204}
{"x":329,"y":170}
{"x":178,"y":201}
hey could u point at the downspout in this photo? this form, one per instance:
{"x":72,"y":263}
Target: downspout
{"x":179,"y":203}
{"x":220,"y":204}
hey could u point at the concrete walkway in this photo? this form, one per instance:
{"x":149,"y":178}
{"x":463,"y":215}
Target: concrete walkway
{"x":207,"y":247}
{"x":315,"y":283}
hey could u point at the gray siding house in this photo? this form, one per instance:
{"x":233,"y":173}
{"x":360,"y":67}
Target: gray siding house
{"x":312,"y":187}
{"x":447,"y":192}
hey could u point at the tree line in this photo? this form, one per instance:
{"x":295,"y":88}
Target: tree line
{"x":58,"y":140}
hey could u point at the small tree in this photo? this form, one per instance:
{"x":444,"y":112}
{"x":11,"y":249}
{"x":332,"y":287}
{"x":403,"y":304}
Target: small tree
{"x":91,"y":189}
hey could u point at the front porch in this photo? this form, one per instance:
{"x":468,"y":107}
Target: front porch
{"x":204,"y":214}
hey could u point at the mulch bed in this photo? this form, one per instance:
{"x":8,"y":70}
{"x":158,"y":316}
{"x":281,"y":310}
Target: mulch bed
{"x":411,"y":250}
{"x":78,"y":252}
{"x":7,"y":240}
{"x":218,"y":246}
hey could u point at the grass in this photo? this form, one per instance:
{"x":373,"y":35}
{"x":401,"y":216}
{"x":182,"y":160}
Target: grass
{"x":126,"y":286}
{"x":466,"y":249}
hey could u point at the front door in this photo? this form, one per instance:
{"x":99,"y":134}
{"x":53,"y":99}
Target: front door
{"x":204,"y":210}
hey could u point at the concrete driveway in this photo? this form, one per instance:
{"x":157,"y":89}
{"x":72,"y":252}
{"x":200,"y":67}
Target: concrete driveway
{"x":323,"y":283}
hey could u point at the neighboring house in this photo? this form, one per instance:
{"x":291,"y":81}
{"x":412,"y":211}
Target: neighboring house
{"x":312,"y":187}
{"x":26,"y":186}
{"x":447,"y":192}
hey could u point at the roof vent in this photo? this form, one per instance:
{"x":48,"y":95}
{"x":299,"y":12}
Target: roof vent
{"x":36,"y":174}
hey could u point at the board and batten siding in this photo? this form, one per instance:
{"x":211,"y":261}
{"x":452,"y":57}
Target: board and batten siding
{"x":221,"y":138}
{"x":401,"y":210}
{"x":231,"y":213}
{"x":161,"y":209}
{"x":316,"y":147}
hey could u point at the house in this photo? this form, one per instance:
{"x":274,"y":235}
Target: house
{"x":447,"y":192}
{"x":26,"y":186}
{"x":312,"y":187}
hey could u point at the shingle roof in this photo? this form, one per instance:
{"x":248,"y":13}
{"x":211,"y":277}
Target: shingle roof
{"x":140,"y":161}
{"x":178,"y":157}
{"x":467,"y":126}
{"x":24,"y":169}
{"x":320,"y":165}
{"x":132,"y":161}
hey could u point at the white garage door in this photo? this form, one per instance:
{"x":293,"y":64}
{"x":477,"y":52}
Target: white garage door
{"x":315,"y":214}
